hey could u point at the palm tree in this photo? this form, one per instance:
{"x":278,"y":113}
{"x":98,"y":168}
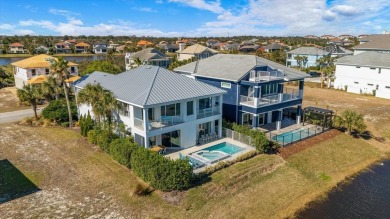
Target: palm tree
{"x":328,"y":72}
{"x":352,"y":120}
{"x":137,"y":62}
{"x":31,"y":94}
{"x":325,"y":61}
{"x":101,"y":100}
{"x":59,"y":70}
{"x":51,"y":89}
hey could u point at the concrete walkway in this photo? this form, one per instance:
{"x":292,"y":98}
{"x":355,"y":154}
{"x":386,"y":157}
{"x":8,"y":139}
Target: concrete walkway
{"x":17,"y":115}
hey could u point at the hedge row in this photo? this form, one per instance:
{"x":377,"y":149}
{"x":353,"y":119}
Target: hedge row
{"x":263,"y":145}
{"x":162,"y":173}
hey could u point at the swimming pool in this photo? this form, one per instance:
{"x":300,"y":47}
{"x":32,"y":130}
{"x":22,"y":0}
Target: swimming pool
{"x":293,"y":135}
{"x":216,"y":152}
{"x":225,"y":147}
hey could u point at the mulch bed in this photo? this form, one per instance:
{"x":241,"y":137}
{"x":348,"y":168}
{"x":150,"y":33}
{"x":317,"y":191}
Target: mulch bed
{"x":291,"y":149}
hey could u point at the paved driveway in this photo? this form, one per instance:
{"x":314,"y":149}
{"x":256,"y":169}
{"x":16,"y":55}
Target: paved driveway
{"x":17,"y":115}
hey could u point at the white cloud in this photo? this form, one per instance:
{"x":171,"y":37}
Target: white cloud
{"x":62,"y":12}
{"x":25,"y":32}
{"x":6,"y":26}
{"x":144,"y":9}
{"x":213,"y":6}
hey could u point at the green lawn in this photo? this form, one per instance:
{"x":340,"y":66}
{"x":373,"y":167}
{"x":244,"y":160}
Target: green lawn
{"x":266,"y":186}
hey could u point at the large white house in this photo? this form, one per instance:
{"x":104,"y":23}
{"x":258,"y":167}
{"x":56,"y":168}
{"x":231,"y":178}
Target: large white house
{"x":36,"y":67}
{"x":365,"y":73}
{"x":160,"y":107}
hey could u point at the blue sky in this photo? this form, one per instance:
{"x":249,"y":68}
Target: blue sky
{"x":193,"y":17}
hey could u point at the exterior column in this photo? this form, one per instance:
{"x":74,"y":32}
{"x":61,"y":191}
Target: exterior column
{"x":301,"y":84}
{"x":146,"y":122}
{"x":269,"y":115}
{"x":279,"y":121}
{"x":299,"y":112}
{"x":256,"y":95}
{"x":255,"y":121}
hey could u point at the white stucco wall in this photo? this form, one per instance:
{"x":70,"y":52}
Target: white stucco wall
{"x":361,"y":79}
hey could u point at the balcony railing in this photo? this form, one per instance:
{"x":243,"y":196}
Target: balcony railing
{"x":258,"y":76}
{"x":289,"y":94}
{"x":139,"y":123}
{"x":207,"y":112}
{"x":164,"y":122}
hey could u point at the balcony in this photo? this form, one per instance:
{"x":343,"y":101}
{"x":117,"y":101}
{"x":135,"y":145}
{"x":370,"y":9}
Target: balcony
{"x":288,"y":95}
{"x":139,"y":123}
{"x":165,"y":121}
{"x":260,"y":76}
{"x":212,"y":111}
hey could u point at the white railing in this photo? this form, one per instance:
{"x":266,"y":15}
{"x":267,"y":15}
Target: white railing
{"x":289,"y":94}
{"x":247,"y":100}
{"x":139,"y":123}
{"x":265,"y":75}
{"x":269,"y":100}
{"x":207,"y":112}
{"x":165,"y":121}
{"x":228,"y":133}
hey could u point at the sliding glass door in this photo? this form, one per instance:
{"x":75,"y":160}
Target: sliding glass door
{"x":171,"y":139}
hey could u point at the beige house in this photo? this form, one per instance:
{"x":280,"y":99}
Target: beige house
{"x":196,"y":50}
{"x":17,"y":48}
{"x":34,"y":70}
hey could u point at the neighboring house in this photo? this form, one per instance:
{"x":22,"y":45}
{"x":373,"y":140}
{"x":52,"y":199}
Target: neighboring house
{"x":312,"y":54}
{"x":248,"y":46}
{"x":148,"y":56}
{"x":311,"y":37}
{"x":82,"y":47}
{"x":144,"y":43}
{"x":375,"y":42}
{"x":112,"y":46}
{"x":272,"y":47}
{"x":362,"y":36}
{"x":341,"y":41}
{"x":210,"y":43}
{"x":63,"y":47}
{"x":198,"y":51}
{"x":327,"y":37}
{"x":160,"y":107}
{"x":36,"y":66}
{"x":346,"y":36}
{"x":120,"y":49}
{"x":337,"y":51}
{"x":100,"y":47}
{"x":364,"y":73}
{"x":230,"y":46}
{"x":255,"y":87}
{"x":167,"y":47}
{"x":17,"y":48}
{"x":41,"y":50}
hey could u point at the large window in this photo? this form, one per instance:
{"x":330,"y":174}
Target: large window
{"x":269,"y":89}
{"x":205,"y":103}
{"x":123,"y":109}
{"x":247,"y":119}
{"x":171,"y":139}
{"x":190,"y":108}
{"x":171,"y":110}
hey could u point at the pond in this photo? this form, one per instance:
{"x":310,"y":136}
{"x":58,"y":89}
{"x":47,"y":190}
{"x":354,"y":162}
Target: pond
{"x":366,"y":196}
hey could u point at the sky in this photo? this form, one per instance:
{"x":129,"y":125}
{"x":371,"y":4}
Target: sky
{"x":181,"y":18}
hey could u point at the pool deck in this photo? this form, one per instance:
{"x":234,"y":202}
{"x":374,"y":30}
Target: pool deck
{"x":187,"y":151}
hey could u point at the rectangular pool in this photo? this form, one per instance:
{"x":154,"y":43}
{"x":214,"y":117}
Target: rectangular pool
{"x":293,"y":135}
{"x":216,"y":152}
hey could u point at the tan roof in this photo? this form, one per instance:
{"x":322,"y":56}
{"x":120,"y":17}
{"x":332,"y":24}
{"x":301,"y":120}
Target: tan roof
{"x":37,"y":80}
{"x":82,"y":44}
{"x":16,"y":44}
{"x":38,"y":61}
{"x":196,"y":49}
{"x":376,"y":41}
{"x":72,"y":79}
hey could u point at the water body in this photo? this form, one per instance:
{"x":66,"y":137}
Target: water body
{"x":77,"y":59}
{"x":366,"y":196}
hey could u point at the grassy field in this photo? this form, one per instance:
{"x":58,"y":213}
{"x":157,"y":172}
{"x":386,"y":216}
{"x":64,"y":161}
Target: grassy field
{"x":76,"y":178}
{"x":9,"y":101}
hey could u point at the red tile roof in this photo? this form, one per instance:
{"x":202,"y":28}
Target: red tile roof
{"x":16,"y":45}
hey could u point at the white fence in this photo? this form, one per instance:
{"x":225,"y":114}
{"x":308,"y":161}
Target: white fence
{"x":228,"y":133}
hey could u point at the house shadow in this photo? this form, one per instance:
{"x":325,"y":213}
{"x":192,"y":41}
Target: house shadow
{"x":13,"y":183}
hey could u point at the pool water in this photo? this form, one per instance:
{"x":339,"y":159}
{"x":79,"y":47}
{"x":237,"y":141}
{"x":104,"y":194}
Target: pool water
{"x":225,"y":147}
{"x":292,"y":136}
{"x":210,"y":155}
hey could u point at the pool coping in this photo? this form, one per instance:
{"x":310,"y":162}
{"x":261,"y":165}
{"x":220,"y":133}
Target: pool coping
{"x":193,"y":149}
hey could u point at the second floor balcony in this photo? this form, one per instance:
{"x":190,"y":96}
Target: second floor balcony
{"x":288,"y":95}
{"x":212,"y":111}
{"x":165,"y":121}
{"x":260,"y":76}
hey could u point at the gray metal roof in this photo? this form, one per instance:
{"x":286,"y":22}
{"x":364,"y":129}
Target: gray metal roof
{"x":233,"y":67}
{"x":148,"y":53}
{"x":308,"y":51}
{"x":149,"y":85}
{"x":273,"y":46}
{"x":371,"y":58}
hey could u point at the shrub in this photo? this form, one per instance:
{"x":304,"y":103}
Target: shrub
{"x":259,"y":140}
{"x":104,"y":139}
{"x":92,"y":136}
{"x":121,"y":150}
{"x":58,"y":111}
{"x":86,"y":124}
{"x":65,"y":124}
{"x":162,"y":173}
{"x":223,"y":164}
{"x":141,"y":189}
